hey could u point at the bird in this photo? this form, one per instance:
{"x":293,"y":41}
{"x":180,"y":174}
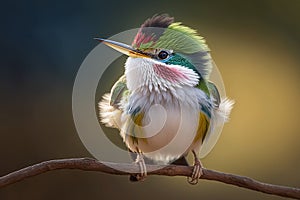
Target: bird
{"x":164,"y":105}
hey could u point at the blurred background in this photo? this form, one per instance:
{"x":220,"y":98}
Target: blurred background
{"x":256,"y":45}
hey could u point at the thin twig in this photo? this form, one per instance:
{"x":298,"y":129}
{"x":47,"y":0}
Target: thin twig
{"x":89,"y":164}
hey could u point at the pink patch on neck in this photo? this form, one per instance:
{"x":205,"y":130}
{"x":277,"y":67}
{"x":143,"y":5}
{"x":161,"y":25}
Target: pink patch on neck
{"x":171,"y":74}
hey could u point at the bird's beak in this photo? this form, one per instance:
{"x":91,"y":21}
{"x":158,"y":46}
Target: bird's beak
{"x":124,"y":48}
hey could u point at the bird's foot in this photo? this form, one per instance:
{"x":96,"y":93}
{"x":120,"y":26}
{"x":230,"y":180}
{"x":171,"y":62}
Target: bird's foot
{"x":143,"y":170}
{"x":197,"y":171}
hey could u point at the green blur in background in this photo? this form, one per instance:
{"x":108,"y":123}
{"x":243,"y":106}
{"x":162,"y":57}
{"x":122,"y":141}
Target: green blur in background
{"x":256,"y":46}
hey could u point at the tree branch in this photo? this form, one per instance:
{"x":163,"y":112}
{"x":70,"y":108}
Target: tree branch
{"x":89,"y":164}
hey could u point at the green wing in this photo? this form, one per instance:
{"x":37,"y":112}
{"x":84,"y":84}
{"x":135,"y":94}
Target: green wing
{"x":118,"y":91}
{"x":210,"y":90}
{"x":203,"y":86}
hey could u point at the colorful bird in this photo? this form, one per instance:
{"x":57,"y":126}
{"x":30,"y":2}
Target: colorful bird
{"x":164,"y":105}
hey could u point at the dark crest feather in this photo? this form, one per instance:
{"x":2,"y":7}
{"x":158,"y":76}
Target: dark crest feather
{"x":161,"y":21}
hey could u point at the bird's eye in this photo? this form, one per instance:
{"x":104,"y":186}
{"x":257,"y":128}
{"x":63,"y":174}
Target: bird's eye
{"x":163,"y":55}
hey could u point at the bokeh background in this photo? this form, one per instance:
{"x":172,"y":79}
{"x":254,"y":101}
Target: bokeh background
{"x":256,"y":45}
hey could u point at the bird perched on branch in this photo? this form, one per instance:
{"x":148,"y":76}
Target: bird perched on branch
{"x":164,"y":105}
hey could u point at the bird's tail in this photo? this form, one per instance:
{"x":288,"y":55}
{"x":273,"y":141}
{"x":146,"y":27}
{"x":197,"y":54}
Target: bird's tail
{"x":223,"y":111}
{"x":109,"y":115}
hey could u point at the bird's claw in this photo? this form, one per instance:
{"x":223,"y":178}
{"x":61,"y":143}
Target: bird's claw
{"x":197,"y":171}
{"x":143,"y":170}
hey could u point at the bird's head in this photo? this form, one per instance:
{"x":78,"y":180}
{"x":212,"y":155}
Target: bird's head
{"x":164,"y":55}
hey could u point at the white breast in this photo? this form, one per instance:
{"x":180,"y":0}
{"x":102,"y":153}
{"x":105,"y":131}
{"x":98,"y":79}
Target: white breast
{"x":169,"y":125}
{"x":175,"y":137}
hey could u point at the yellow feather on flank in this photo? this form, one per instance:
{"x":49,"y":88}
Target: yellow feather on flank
{"x":135,"y":128}
{"x":138,"y":119}
{"x":202,"y":128}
